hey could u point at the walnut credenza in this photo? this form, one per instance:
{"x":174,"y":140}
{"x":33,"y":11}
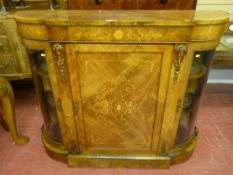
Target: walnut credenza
{"x":120,"y":88}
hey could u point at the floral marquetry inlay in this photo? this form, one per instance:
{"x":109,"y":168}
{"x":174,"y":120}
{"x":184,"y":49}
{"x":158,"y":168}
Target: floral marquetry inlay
{"x":114,"y":99}
{"x":147,"y":34}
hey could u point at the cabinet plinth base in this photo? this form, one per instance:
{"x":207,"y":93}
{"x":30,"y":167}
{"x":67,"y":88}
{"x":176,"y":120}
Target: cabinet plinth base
{"x":178,"y":154}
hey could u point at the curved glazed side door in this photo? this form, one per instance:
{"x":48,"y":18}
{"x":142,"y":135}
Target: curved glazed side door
{"x":119,"y":93}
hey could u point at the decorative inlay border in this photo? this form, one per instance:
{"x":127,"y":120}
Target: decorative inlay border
{"x":128,"y":34}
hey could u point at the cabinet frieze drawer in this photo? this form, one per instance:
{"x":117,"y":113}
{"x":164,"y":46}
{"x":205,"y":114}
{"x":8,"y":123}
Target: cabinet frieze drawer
{"x":129,"y":34}
{"x":120,"y":33}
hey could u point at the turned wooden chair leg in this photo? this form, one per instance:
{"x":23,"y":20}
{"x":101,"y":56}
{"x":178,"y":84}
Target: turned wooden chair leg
{"x":3,"y":123}
{"x":7,"y":99}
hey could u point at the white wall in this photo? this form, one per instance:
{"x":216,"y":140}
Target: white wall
{"x":225,"y":5}
{"x":218,"y":75}
{"x":221,"y":76}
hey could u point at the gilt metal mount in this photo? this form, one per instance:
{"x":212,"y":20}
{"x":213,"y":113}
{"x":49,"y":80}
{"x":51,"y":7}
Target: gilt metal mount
{"x":180,"y":52}
{"x":59,"y":54}
{"x":76,"y":107}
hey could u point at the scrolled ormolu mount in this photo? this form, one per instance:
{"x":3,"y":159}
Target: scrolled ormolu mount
{"x":73,"y":147}
{"x":59,"y":54}
{"x":76,"y":107}
{"x":178,"y":105}
{"x":180,"y":51}
{"x":58,"y":104}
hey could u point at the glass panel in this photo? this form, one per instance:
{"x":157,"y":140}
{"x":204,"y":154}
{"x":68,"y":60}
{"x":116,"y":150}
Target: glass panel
{"x":197,"y":81}
{"x":44,"y":91}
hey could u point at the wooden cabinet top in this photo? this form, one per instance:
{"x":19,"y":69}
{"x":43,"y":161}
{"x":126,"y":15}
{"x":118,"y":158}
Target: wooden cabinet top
{"x":121,"y":26}
{"x":124,"y":17}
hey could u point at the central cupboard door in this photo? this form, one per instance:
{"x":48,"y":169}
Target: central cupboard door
{"x":120,"y":91}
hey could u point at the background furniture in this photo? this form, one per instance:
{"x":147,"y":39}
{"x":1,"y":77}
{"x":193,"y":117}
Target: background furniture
{"x":12,"y":5}
{"x":131,"y":4}
{"x":14,"y":63}
{"x":7,"y":100}
{"x":224,"y":53}
{"x":120,"y":88}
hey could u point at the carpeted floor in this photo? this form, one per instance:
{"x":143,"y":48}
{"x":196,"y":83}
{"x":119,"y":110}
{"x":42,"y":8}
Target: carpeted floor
{"x":213,"y":155}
